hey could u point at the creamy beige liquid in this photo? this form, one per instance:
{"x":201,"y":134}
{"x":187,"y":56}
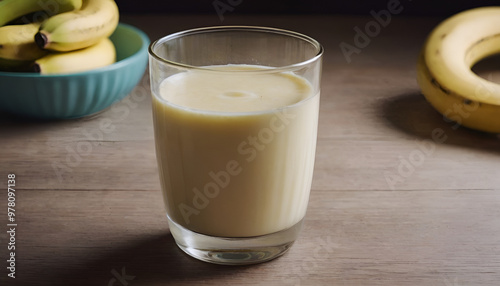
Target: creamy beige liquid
{"x":233,"y":163}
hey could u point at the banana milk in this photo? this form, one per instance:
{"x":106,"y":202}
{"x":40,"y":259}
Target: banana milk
{"x":236,"y":149}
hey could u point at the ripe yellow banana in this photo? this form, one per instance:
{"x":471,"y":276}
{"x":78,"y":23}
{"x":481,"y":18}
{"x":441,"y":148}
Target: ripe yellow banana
{"x":444,"y":69}
{"x":12,"y":9}
{"x":97,"y":19}
{"x":17,"y":42}
{"x":99,"y":55}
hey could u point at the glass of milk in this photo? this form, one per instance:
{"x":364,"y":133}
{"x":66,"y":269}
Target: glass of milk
{"x":235,"y":111}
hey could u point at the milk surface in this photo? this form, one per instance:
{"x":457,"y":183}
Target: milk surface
{"x":236,"y":149}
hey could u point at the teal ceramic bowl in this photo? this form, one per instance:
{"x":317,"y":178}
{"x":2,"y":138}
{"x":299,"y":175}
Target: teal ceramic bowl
{"x":78,"y":94}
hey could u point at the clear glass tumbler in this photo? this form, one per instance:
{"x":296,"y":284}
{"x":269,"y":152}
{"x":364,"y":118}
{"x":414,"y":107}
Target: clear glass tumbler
{"x":235,"y":111}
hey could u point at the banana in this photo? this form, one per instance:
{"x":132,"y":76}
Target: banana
{"x":99,"y":55}
{"x":12,"y":9}
{"x":97,"y":19}
{"x":17,"y":42}
{"x":444,"y":69}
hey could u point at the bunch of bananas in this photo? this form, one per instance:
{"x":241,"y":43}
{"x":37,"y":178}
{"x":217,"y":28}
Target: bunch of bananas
{"x":444,"y":69}
{"x":62,"y":36}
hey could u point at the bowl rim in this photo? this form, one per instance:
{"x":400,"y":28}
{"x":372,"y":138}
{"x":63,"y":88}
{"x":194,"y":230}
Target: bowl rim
{"x":116,"y":65}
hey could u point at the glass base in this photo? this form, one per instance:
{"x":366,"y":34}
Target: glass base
{"x":234,"y":251}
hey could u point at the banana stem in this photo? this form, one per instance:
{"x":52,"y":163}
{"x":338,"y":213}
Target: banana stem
{"x":36,"y":68}
{"x":41,"y":40}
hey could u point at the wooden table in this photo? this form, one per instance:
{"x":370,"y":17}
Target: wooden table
{"x":390,"y":204}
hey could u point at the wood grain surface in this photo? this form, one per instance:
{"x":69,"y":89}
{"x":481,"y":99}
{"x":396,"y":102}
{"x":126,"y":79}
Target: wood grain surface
{"x":400,"y":196}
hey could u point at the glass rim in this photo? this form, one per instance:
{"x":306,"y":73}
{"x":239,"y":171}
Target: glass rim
{"x":213,"y":29}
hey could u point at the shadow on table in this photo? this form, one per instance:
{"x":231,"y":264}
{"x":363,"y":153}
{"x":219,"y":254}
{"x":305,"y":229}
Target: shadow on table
{"x":154,"y":260}
{"x":413,"y":115}
{"x":12,"y":123}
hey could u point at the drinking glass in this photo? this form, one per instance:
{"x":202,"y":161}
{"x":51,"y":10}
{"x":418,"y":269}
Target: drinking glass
{"x":235,"y":112}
